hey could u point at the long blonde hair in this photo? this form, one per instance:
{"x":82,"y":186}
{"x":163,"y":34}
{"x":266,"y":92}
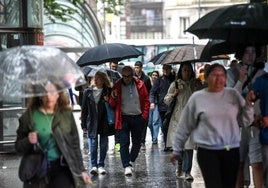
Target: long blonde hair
{"x":106,"y":80}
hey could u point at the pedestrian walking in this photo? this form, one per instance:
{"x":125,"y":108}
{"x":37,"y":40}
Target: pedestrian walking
{"x":94,"y":120}
{"x":48,"y":124}
{"x":186,"y":84}
{"x":213,"y":115}
{"x":154,"y":122}
{"x":141,"y":75}
{"x":240,"y":77}
{"x":260,"y":89}
{"x":130,"y":100}
{"x":114,"y":78}
{"x":158,"y":93}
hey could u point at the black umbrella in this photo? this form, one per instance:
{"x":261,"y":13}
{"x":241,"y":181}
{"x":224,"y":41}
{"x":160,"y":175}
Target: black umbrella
{"x":242,"y":23}
{"x":218,"y":47}
{"x":108,"y":52}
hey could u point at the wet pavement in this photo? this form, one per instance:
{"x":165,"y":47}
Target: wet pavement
{"x":152,"y":169}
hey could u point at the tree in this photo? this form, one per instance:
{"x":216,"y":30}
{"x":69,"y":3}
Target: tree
{"x":54,"y":10}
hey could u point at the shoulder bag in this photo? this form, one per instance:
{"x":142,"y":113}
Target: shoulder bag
{"x":33,"y":165}
{"x":168,"y":114}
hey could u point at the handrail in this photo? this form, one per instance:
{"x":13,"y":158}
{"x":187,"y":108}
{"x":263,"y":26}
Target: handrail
{"x":75,"y":109}
{"x":11,"y":109}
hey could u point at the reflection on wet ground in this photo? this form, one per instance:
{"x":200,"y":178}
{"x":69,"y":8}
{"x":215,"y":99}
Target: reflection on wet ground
{"x":152,"y":169}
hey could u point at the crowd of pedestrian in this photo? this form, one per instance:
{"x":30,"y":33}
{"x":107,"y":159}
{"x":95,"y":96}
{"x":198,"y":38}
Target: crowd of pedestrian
{"x":219,"y":114}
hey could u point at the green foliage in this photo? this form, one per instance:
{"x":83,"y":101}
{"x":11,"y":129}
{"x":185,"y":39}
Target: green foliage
{"x":112,"y":6}
{"x":54,"y":10}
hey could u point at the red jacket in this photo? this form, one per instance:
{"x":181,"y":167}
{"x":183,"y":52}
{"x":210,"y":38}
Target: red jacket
{"x":116,"y":103}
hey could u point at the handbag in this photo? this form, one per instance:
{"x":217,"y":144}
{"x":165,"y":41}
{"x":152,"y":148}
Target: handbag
{"x":110,"y":118}
{"x":170,"y":110}
{"x":110,"y":113}
{"x":33,"y":165}
{"x":263,"y":136}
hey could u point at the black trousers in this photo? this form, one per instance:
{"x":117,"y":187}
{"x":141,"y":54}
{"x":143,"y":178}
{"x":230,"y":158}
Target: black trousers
{"x":144,"y":132}
{"x":219,"y":167}
{"x":163,"y":128}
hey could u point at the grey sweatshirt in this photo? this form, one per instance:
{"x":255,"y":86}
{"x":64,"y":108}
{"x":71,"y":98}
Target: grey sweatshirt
{"x":214,"y":119}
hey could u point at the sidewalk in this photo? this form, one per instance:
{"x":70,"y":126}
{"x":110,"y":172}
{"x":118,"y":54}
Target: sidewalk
{"x":153,"y":170}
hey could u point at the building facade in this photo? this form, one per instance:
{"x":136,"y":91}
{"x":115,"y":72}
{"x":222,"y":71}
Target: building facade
{"x":160,"y":19}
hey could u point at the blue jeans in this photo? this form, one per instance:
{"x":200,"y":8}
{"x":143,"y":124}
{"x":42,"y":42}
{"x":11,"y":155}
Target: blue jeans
{"x":93,"y":143}
{"x":131,"y":125}
{"x":154,"y":123}
{"x":187,"y":158}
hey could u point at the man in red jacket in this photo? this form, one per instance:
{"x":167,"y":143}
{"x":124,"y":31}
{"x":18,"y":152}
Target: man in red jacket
{"x":130,"y":100}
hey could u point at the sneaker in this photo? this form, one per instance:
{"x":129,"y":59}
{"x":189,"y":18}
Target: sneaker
{"x":102,"y":170}
{"x":167,"y":149}
{"x":154,"y":142}
{"x":182,"y":176}
{"x":94,"y":171}
{"x":117,"y":147}
{"x":189,"y":177}
{"x":128,"y":171}
{"x":133,"y":165}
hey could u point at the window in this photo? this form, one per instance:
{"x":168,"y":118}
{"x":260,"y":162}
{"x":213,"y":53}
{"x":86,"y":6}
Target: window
{"x":184,"y":24}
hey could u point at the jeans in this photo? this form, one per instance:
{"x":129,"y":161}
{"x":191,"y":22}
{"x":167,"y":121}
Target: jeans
{"x":93,"y":143}
{"x":154,"y":123}
{"x":187,"y":158}
{"x":131,"y":125}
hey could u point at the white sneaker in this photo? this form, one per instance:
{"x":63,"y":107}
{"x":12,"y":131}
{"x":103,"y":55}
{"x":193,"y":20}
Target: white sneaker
{"x":133,"y":164}
{"x":182,"y":175}
{"x":128,"y":171}
{"x":94,"y":171}
{"x":189,"y":177}
{"x":101,"y":170}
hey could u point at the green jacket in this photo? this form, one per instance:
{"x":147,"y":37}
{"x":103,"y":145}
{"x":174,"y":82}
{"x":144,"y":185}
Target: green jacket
{"x":66,"y":136}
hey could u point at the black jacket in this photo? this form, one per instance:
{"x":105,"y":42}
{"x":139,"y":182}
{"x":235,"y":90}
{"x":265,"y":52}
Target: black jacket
{"x":159,"y":91}
{"x":92,"y":119}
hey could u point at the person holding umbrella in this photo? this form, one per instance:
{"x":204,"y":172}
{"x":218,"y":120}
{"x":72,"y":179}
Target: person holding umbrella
{"x":130,"y":99}
{"x":157,"y":95}
{"x":213,"y":115}
{"x":50,"y":117}
{"x":182,"y":89}
{"x":240,"y":77}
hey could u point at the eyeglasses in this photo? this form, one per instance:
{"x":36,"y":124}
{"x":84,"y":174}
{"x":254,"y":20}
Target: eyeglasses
{"x":127,"y":76}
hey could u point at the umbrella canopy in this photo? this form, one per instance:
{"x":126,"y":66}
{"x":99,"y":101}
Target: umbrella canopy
{"x":218,"y":47}
{"x":26,"y":70}
{"x":112,"y":74}
{"x":156,"y":60}
{"x":189,"y":53}
{"x":108,"y":52}
{"x":242,"y":23}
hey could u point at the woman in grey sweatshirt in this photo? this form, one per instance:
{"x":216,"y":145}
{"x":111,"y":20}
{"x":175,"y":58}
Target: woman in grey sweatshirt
{"x":213,"y":115}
